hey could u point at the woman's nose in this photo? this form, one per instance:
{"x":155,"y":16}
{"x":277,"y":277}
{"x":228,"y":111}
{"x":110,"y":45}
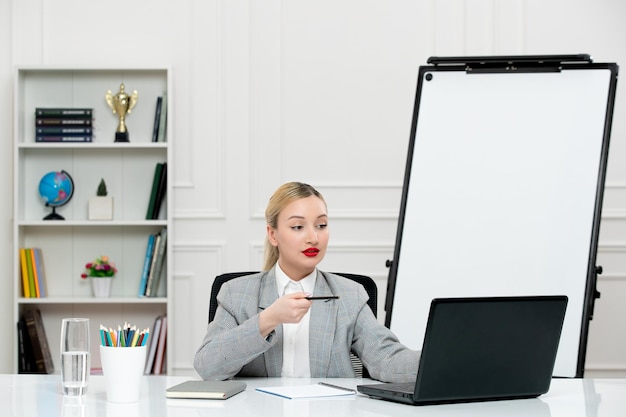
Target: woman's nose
{"x":311,"y":237}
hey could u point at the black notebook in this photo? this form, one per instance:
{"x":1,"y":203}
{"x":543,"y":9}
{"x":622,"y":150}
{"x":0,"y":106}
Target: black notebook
{"x":483,"y":348}
{"x":209,"y":390}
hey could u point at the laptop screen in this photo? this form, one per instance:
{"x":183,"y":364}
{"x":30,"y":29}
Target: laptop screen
{"x":493,"y":347}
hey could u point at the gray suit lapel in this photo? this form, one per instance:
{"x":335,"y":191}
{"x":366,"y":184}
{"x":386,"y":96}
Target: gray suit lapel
{"x":321,"y":328}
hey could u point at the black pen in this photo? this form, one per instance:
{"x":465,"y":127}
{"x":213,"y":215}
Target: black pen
{"x":327,"y":297}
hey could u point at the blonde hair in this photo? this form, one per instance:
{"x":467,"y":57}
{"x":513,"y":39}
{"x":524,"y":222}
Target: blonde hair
{"x":282,"y":197}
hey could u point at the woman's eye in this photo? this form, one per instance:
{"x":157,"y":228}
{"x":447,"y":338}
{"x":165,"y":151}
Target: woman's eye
{"x":296,"y":227}
{"x":322,"y":226}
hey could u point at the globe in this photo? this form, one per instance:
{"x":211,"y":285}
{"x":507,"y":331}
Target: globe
{"x":56,"y":189}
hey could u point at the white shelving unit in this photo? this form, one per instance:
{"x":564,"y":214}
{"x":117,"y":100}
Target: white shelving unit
{"x":127,"y":168}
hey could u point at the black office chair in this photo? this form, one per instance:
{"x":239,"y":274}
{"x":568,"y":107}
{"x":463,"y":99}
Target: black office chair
{"x":367,"y":282}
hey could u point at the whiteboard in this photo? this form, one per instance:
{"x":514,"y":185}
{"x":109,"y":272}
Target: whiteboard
{"x":502,"y":194}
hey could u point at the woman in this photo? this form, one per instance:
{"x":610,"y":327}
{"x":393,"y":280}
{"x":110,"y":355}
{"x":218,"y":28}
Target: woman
{"x":263,"y":327}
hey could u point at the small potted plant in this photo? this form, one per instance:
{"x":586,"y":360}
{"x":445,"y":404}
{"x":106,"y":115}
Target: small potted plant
{"x":101,"y":271}
{"x":101,"y":206}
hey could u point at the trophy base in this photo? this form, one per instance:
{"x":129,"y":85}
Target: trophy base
{"x":121,"y":137}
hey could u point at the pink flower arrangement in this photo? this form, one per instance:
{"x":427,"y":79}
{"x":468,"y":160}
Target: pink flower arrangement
{"x":99,"y":268}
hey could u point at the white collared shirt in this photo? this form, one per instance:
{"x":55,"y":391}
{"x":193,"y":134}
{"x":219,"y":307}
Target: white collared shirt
{"x":296,"y":335}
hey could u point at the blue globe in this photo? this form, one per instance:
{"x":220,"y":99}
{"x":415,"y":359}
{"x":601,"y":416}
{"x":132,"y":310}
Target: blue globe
{"x":56,"y":189}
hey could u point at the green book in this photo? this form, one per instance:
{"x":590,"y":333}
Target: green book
{"x":155,"y":189}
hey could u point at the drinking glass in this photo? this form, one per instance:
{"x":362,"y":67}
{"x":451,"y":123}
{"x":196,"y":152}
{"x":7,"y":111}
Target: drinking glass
{"x":75,"y":357}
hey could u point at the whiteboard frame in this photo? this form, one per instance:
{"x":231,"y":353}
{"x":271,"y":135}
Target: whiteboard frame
{"x":475,"y":84}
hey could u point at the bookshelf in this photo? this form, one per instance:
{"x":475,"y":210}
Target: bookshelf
{"x":128,"y":169}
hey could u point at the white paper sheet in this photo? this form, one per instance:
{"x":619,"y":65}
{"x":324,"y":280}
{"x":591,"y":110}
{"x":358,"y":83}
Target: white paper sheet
{"x":309,"y":391}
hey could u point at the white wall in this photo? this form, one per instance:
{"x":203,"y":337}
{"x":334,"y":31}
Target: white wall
{"x":318,"y":91}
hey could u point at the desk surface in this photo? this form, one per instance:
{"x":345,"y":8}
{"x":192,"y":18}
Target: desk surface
{"x":38,"y":395}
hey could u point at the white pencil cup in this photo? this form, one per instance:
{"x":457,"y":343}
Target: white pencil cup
{"x":123,"y":369}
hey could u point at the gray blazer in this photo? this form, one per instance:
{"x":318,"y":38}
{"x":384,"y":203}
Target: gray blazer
{"x":233,"y":345}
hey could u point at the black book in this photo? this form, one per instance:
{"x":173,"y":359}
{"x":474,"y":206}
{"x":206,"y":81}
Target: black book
{"x":153,"y":191}
{"x":64,"y":131}
{"x":26,"y":359}
{"x":160,"y":195}
{"x":62,"y":122}
{"x":39,"y":341}
{"x":157,"y":119}
{"x":63,"y":138}
{"x":163,"y":120}
{"x":64,"y":112}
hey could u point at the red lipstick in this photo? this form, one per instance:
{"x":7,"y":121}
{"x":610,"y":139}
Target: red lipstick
{"x":311,"y":252}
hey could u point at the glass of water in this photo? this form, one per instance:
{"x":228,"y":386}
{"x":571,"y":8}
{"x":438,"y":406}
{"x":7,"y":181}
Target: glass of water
{"x":75,"y":358}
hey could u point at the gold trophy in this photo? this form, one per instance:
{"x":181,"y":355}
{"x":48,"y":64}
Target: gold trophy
{"x":121,"y":104}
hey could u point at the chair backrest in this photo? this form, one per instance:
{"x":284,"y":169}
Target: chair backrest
{"x":367,"y":282}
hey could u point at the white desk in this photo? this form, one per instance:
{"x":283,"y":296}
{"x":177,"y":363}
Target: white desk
{"x":40,"y":395}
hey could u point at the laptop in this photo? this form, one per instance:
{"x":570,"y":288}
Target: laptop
{"x":482,"y":349}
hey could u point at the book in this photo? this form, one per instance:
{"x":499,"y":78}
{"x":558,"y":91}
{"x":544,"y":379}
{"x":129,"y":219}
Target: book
{"x":21,"y":358}
{"x":88,"y":138}
{"x":41,"y":272}
{"x":152,"y":290}
{"x":63,"y":122}
{"x":26,"y":360}
{"x":208,"y":390}
{"x":162,"y":134}
{"x":63,"y":131}
{"x":157,"y":119}
{"x":63,"y":112}
{"x":159,"y":357}
{"x":31,"y":276}
{"x":24,"y":270}
{"x":160,"y":196}
{"x":153,"y":341}
{"x":31,"y":252}
{"x":157,"y":243}
{"x":146,"y":266}
{"x":153,"y":192}
{"x":39,"y":341}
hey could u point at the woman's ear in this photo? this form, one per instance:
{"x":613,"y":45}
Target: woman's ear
{"x":271,"y":236}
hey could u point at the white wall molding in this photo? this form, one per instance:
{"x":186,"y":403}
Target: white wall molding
{"x":352,"y":200}
{"x":612,"y":277}
{"x":608,"y":366}
{"x":613,"y":214}
{"x":265,"y":105}
{"x":612,"y":247}
{"x":197,"y":214}
{"x":196,"y":263}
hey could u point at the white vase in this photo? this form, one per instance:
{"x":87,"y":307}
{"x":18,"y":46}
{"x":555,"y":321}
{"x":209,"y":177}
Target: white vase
{"x":101,"y":286}
{"x":101,"y":208}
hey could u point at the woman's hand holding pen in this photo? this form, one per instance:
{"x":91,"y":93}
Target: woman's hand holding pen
{"x":290,"y":308}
